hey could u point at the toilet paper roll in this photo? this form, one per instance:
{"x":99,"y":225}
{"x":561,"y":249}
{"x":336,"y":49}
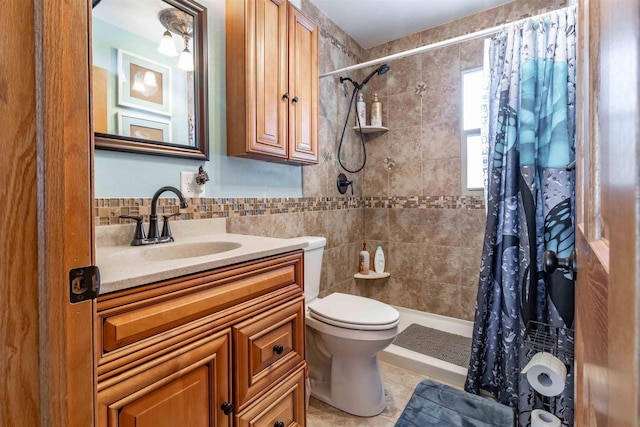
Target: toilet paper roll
{"x":540,"y":418}
{"x":546,"y":374}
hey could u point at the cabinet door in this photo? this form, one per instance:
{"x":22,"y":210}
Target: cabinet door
{"x":303,"y":88}
{"x":284,"y":405}
{"x":182,"y":402}
{"x":184,"y":388}
{"x":268,"y":77}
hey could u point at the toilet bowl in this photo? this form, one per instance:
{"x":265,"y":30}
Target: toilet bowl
{"x":344,"y":335}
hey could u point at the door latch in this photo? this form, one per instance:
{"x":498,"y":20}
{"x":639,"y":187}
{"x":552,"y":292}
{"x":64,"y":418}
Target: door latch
{"x":84,"y":283}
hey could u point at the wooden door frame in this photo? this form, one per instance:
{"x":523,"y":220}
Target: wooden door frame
{"x":46,"y":363}
{"x":608,"y":287}
{"x":65,"y":201}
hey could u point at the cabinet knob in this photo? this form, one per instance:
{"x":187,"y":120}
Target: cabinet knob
{"x":295,"y":99}
{"x":227,"y":408}
{"x":278,"y":349}
{"x":278,"y":424}
{"x":286,"y":95}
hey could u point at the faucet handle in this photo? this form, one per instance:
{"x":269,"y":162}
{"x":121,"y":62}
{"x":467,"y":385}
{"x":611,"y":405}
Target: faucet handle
{"x":166,"y":230}
{"x":139,"y":235}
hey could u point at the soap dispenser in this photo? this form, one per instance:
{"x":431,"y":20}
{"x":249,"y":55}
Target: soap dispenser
{"x":363,"y":262}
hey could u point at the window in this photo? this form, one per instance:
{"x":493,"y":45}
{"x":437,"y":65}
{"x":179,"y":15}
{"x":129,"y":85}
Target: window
{"x":471,"y":147}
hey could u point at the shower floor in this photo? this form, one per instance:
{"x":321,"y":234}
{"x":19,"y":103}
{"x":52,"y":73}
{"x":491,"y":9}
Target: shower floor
{"x":426,"y":364}
{"x":442,"y":345}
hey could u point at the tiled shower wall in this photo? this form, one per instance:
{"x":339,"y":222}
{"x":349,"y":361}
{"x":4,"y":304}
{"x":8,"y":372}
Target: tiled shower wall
{"x":433,"y":250}
{"x":432,"y":235}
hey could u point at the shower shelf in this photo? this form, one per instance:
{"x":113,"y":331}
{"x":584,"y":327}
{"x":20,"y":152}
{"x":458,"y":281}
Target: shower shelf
{"x":371,"y":129}
{"x":372,"y":275}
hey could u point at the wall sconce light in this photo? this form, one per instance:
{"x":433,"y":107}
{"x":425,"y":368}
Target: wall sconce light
{"x":185,"y":62}
{"x":180,"y":23}
{"x":167,"y":46}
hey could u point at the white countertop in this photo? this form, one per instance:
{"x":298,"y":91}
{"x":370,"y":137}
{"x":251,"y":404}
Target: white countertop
{"x":123,"y":266}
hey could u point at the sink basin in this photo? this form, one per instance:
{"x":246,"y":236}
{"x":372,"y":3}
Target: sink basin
{"x":171,"y":251}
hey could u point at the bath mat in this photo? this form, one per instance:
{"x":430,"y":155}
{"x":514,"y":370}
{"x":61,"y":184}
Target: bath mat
{"x":451,"y":348}
{"x":436,"y":405}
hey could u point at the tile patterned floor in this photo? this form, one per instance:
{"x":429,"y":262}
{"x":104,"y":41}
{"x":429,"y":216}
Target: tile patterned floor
{"x":398,"y":386}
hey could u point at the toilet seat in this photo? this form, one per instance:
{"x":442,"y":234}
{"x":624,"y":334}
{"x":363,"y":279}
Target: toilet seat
{"x":354,"y":312}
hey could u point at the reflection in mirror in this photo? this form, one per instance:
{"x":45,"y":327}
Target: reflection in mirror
{"x":149,"y":77}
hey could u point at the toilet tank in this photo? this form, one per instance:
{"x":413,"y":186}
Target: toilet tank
{"x":312,"y":265}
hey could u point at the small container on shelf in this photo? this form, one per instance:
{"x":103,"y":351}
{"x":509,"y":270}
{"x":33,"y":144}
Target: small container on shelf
{"x":361,"y":112}
{"x":363,"y":260}
{"x":378,"y":260}
{"x":376,"y":111}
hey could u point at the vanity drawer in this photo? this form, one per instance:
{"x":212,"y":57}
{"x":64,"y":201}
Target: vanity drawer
{"x":266,"y":347}
{"x":127,"y":324}
{"x":285,"y":404}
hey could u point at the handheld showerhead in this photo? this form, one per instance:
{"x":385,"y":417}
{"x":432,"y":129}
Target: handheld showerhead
{"x":379,"y":71}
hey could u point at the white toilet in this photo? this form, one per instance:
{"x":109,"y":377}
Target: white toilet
{"x":344,"y":335}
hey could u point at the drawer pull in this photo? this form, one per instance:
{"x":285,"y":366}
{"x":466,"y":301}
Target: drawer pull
{"x":227,"y":408}
{"x":278,"y":424}
{"x":295,"y":99}
{"x":278,"y":349}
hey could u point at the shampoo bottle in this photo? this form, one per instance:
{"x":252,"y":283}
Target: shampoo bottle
{"x":376,"y":111}
{"x":378,"y":260}
{"x":361,"y":111}
{"x":363,"y":263}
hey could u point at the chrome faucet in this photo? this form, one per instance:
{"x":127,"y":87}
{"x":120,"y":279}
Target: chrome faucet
{"x":153,"y":237}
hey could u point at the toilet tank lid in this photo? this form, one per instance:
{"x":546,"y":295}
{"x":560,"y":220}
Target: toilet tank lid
{"x":354,"y":310}
{"x":314,"y":242}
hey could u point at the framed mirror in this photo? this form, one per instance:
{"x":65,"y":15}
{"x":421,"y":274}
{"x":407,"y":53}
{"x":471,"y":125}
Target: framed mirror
{"x":150,"y":77}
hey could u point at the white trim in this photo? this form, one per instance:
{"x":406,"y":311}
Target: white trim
{"x":464,"y":134}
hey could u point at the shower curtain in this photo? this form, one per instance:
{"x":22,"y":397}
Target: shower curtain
{"x":530,"y":205}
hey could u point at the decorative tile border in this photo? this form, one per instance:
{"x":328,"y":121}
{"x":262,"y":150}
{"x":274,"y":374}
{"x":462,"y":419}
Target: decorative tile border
{"x":337,"y":43}
{"x":425,"y":202}
{"x":108,"y":211}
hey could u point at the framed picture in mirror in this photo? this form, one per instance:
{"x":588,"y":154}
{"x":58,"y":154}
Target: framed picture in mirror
{"x":143,"y":84}
{"x":144,"y":128}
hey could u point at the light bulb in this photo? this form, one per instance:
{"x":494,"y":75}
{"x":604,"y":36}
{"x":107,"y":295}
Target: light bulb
{"x":167,"y":46}
{"x":185,"y":62}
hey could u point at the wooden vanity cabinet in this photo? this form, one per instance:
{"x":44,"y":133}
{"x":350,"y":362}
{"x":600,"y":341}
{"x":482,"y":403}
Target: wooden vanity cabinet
{"x":272,"y":82}
{"x":219,"y":348}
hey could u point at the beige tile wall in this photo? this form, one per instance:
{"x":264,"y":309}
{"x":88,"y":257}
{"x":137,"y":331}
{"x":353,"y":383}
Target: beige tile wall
{"x":433,"y":254}
{"x":432,"y":235}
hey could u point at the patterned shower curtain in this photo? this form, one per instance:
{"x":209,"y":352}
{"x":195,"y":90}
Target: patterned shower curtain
{"x":530,"y":205}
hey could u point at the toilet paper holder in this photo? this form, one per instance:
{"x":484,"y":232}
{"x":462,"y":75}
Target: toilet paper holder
{"x":542,"y":337}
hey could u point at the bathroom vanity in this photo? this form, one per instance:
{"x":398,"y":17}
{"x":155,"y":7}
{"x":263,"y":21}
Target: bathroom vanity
{"x":190,"y":338}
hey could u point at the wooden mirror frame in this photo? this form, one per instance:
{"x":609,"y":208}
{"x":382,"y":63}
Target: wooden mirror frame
{"x":200,"y":151}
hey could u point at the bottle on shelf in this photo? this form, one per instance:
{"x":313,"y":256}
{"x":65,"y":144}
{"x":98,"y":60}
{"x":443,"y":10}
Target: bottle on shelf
{"x":376,"y":111}
{"x":361,"y":111}
{"x":378,"y":260}
{"x":363,"y":262}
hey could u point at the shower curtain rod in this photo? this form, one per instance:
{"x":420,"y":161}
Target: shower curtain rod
{"x":425,"y":48}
